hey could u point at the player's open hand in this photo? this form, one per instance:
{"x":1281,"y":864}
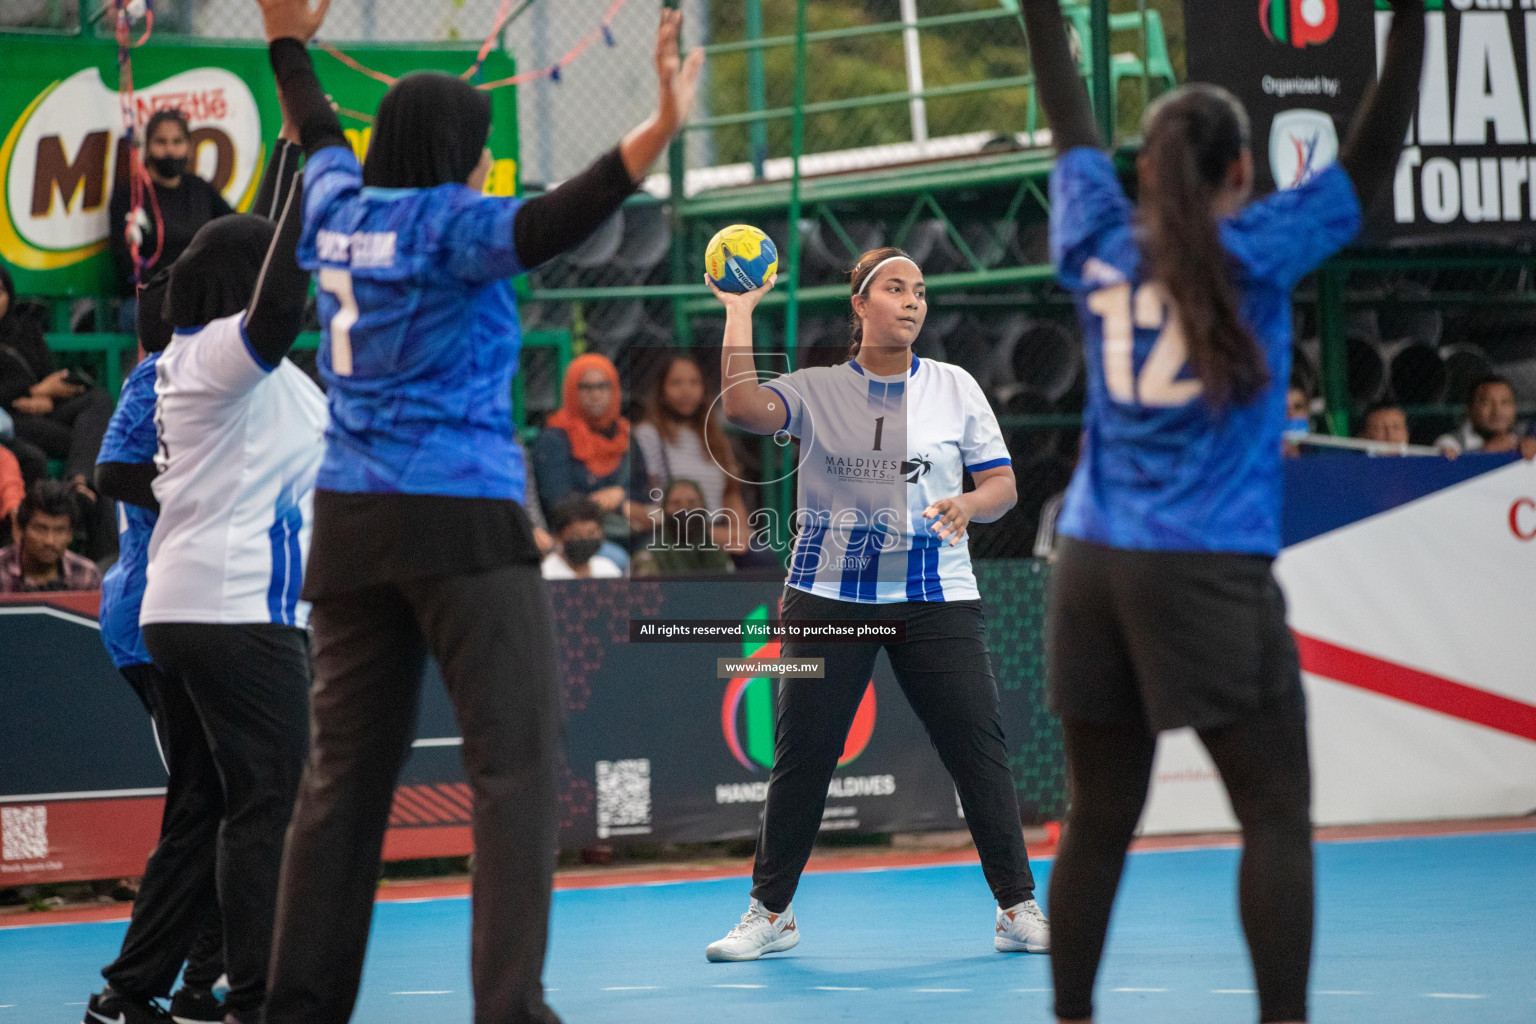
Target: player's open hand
{"x":677,"y":79}
{"x":745,"y":301}
{"x":953,"y":515}
{"x":292,"y":19}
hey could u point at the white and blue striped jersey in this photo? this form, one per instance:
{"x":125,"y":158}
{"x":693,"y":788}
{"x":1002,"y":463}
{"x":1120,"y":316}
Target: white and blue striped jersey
{"x":240,"y":443}
{"x":874,"y":453}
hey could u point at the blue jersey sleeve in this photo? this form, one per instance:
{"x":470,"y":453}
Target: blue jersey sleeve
{"x":477,"y":242}
{"x":331,"y":178}
{"x":1285,"y":236}
{"x":1088,"y":206}
{"x":131,"y":435}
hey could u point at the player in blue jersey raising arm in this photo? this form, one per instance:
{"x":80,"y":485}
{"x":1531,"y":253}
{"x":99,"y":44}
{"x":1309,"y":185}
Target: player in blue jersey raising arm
{"x":886,"y":439}
{"x":421,"y":545}
{"x":1164,"y":612}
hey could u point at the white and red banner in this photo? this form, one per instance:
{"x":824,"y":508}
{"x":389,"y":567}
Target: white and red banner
{"x":1412,"y":593}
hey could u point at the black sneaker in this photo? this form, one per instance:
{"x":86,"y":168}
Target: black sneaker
{"x":112,"y":1007}
{"x":196,"y":1006}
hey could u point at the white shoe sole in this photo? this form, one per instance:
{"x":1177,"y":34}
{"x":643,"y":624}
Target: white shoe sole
{"x":789,"y":940}
{"x":1003,"y":945}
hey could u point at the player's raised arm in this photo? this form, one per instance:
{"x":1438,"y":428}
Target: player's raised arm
{"x":1057,"y":82}
{"x":747,"y":404}
{"x":560,"y":220}
{"x":289,"y":25}
{"x":1376,"y":138}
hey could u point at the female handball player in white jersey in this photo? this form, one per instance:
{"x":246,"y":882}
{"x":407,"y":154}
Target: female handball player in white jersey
{"x":886,"y":439}
{"x":421,"y":546}
{"x":1164,"y":613}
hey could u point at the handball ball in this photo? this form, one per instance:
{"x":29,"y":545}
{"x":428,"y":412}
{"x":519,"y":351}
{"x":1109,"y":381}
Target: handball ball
{"x":740,"y":258}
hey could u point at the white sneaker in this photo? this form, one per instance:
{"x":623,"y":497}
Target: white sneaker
{"x":759,"y":932}
{"x":1022,"y":928}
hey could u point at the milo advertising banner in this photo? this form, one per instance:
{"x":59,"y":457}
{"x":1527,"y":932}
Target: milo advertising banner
{"x":63,"y":123}
{"x":1302,"y":67}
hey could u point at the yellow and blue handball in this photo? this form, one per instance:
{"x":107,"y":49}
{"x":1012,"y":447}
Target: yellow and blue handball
{"x":740,"y":258}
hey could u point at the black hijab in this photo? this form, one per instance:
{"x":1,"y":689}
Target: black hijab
{"x":154,"y":331}
{"x":430,"y":130}
{"x":216,"y":275}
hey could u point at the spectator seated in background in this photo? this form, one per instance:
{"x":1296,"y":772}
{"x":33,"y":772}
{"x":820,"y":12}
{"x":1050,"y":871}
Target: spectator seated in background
{"x":577,"y":526}
{"x":1386,"y":422}
{"x":680,"y":440}
{"x":583,"y":451}
{"x":184,"y":202}
{"x":12,"y":489}
{"x":1298,"y":416}
{"x":53,"y":418}
{"x":40,"y":558}
{"x":683,"y":540}
{"x":1490,"y":425}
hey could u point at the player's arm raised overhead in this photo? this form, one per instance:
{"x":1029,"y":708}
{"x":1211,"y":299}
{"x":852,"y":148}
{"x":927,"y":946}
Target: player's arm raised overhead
{"x":747,"y":404}
{"x":559,"y":220}
{"x":1060,"y":88}
{"x":546,"y":225}
{"x":1375,"y":143}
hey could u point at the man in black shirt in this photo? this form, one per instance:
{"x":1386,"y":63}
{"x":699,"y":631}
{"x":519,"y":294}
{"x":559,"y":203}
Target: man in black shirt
{"x":185,"y":201}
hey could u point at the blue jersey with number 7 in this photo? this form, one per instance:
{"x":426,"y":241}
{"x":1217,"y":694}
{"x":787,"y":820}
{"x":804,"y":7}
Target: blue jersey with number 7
{"x":420,"y":330}
{"x":1160,"y":469}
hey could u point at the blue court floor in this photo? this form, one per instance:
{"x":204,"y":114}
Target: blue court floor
{"x":1410,"y":931}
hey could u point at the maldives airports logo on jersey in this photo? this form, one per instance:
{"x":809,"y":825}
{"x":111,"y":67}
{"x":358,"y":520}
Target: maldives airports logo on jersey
{"x":746,"y":713}
{"x":1299,"y":23}
{"x":1301,"y":143}
{"x":62,"y":155}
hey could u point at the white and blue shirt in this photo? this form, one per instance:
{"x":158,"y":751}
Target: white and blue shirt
{"x":130,"y":439}
{"x":874,"y":453}
{"x":240,"y":444}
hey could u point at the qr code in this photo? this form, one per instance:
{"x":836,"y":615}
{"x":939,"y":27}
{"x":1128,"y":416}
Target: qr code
{"x":624,"y":798}
{"x":24,"y":833}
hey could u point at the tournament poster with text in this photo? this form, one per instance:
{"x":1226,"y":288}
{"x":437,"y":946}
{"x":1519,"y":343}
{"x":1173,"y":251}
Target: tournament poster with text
{"x":1303,"y":68}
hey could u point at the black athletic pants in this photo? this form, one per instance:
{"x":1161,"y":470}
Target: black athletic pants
{"x":249,"y":685}
{"x":178,"y":881}
{"x":1146,"y":640}
{"x":944,"y":672}
{"x":492,"y":636}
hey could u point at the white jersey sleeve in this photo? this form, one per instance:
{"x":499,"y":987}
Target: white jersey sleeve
{"x":791,"y":388}
{"x":222,"y":362}
{"x":981,"y":445}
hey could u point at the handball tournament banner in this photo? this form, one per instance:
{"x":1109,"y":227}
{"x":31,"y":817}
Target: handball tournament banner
{"x":62,"y":127}
{"x":660,"y":747}
{"x":1410,"y":584}
{"x":1302,"y":67}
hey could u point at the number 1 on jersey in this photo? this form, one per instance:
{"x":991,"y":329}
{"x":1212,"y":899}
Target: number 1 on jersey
{"x":339,"y":284}
{"x":1158,"y":384}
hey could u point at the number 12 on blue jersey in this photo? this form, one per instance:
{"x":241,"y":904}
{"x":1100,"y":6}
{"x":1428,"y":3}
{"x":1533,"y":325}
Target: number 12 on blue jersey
{"x":1149,"y":308}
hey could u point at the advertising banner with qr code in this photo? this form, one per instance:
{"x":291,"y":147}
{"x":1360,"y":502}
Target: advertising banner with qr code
{"x":660,"y":746}
{"x":1303,"y":67}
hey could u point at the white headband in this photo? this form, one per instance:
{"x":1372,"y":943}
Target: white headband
{"x":889,"y":259}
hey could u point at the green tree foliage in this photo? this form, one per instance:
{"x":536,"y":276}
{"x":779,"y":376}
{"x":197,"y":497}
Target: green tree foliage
{"x":873,"y":64}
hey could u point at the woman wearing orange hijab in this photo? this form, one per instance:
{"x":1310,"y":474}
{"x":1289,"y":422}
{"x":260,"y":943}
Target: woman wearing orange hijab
{"x":584,"y":447}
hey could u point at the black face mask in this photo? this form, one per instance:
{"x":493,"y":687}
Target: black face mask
{"x":580,"y":552}
{"x":169,"y":166}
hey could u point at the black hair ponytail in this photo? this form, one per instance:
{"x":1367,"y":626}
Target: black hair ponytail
{"x":1192,"y":138}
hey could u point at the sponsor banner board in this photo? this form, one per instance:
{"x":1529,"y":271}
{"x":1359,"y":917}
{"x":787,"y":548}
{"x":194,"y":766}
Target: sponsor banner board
{"x":1302,"y":68}
{"x":62,"y":125}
